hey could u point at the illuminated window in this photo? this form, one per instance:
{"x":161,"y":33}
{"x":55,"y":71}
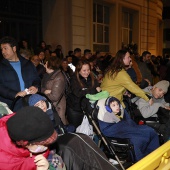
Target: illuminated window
{"x":100,"y":27}
{"x":127,"y":24}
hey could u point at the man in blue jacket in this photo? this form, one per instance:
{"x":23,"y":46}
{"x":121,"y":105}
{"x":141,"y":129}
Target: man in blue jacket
{"x":18,"y":76}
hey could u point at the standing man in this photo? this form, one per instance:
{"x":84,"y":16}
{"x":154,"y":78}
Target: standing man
{"x":16,"y":73}
{"x":146,"y":73}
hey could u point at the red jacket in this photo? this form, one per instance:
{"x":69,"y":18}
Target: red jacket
{"x":11,"y":156}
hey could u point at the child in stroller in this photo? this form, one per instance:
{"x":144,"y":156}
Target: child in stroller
{"x":43,"y":103}
{"x":114,"y":121}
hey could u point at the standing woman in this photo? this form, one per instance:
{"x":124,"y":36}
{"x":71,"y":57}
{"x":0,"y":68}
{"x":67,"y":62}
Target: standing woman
{"x":82,"y":82}
{"x":53,"y":85}
{"x":116,"y":80}
{"x":41,"y":56}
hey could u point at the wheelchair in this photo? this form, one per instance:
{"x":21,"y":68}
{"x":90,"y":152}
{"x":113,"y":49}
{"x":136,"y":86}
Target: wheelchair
{"x":135,"y":114}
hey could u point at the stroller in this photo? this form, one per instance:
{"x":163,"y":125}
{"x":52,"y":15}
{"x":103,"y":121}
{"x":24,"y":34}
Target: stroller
{"x":114,"y":148}
{"x":79,"y":152}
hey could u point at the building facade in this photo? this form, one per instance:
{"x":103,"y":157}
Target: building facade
{"x":166,"y":27}
{"x":103,"y":25}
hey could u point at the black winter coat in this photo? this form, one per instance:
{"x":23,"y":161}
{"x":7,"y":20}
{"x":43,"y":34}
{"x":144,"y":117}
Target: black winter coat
{"x":77,"y":92}
{"x":9,"y":81}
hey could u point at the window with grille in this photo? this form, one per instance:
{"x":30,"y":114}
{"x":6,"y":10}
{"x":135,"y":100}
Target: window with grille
{"x":100,"y":27}
{"x":127,"y":25}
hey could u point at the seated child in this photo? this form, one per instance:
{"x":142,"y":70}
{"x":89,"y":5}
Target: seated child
{"x":41,"y":102}
{"x":114,"y":121}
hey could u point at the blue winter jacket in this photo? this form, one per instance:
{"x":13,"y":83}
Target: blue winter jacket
{"x":9,"y":81}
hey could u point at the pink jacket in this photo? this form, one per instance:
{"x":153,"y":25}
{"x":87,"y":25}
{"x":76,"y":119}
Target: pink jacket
{"x":11,"y":156}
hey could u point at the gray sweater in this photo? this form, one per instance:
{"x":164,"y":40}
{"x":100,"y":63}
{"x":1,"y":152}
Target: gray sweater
{"x":148,"y":110}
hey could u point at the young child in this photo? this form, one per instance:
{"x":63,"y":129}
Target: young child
{"x":26,"y":137}
{"x":41,"y":102}
{"x":114,"y":121}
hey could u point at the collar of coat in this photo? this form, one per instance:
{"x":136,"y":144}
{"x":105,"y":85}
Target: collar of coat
{"x":22,"y":60}
{"x":54,"y":73}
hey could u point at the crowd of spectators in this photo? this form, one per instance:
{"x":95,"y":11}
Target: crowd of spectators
{"x":66,"y":78}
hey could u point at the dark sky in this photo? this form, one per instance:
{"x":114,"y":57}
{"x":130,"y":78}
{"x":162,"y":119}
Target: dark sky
{"x":166,"y":9}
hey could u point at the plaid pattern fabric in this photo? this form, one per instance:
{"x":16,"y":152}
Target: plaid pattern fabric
{"x":56,"y":162}
{"x":48,"y":141}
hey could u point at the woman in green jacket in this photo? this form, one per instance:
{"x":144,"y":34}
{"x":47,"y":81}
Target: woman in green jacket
{"x":116,"y":80}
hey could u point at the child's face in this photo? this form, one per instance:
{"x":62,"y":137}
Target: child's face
{"x":115,"y":107}
{"x":42,"y":105}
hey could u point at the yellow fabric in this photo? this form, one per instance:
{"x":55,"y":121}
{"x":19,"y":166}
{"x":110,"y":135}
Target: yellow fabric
{"x":122,"y":82}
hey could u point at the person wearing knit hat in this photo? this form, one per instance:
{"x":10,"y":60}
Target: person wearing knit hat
{"x":36,"y":130}
{"x":162,"y":85}
{"x":40,"y":101}
{"x":33,"y":99}
{"x":156,"y":106}
{"x":26,"y":137}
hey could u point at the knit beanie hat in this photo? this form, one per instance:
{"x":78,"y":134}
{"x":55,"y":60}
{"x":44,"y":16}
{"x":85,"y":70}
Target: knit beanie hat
{"x":34,"y":98}
{"x":163,"y":85}
{"x":30,"y":125}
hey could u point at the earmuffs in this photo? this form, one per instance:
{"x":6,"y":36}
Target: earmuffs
{"x":108,"y":101}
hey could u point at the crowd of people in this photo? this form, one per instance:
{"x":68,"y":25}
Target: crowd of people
{"x":66,"y":79}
